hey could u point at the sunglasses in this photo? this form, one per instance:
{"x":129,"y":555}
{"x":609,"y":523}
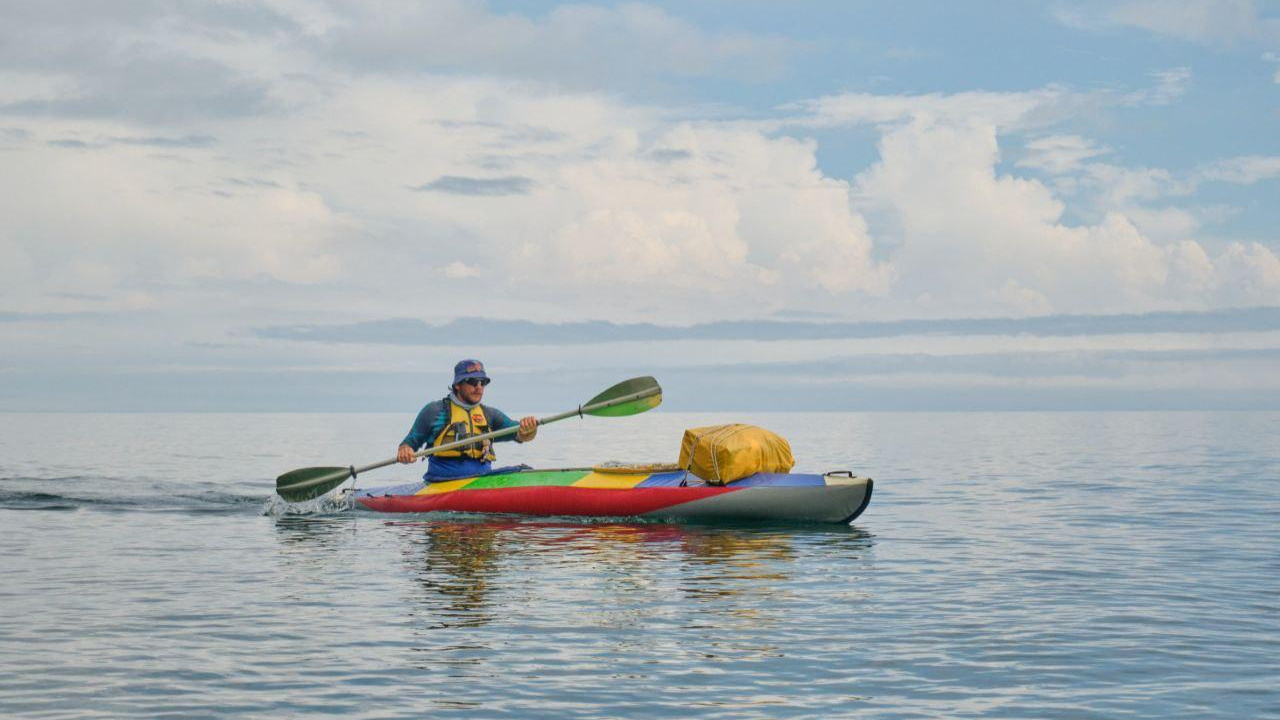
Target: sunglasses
{"x":476,"y":381}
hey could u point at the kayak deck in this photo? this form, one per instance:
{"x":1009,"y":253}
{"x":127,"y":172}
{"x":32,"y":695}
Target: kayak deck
{"x":600,"y":492}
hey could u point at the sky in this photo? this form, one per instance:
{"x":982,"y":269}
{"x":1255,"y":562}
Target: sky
{"x":306,"y":205}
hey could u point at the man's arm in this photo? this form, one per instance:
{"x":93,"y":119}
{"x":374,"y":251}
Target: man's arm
{"x":422,"y":432}
{"x":498,"y":420}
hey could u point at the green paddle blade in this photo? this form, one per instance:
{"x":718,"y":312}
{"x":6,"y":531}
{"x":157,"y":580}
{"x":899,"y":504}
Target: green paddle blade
{"x":645,"y":392}
{"x":307,"y":483}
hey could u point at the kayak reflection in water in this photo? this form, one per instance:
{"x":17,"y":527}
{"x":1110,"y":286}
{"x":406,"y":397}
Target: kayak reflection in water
{"x":457,"y":416}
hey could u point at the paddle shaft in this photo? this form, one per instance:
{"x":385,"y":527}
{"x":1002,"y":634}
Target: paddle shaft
{"x":625,"y":398}
{"x":582,"y":409}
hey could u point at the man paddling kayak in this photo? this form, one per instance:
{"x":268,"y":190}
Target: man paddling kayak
{"x":457,"y":416}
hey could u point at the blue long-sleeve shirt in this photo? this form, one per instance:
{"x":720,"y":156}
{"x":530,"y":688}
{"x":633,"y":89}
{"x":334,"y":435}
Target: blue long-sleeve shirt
{"x":431,"y":422}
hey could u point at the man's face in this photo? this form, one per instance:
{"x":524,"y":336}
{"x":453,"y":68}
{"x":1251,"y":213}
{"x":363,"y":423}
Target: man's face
{"x":470,"y":390}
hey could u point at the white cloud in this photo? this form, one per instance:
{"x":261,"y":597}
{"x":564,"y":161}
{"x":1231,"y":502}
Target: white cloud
{"x":729,"y":215}
{"x":165,"y":63}
{"x":1121,"y":187}
{"x":1059,"y":154}
{"x":1003,"y":110}
{"x":972,"y":241}
{"x":560,"y":196}
{"x":1244,"y":170}
{"x":1209,"y":22}
{"x":1190,"y":268}
{"x":652,"y":220}
{"x":113,"y":219}
{"x":1008,"y":112}
{"x":1170,"y":85}
{"x":1249,"y":274}
{"x":458,"y":270}
{"x":576,"y":44}
{"x":1022,"y":300}
{"x":1166,"y":224}
{"x":1145,"y":196}
{"x":646,"y":217}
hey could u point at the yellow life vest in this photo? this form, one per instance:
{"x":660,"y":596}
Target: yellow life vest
{"x":463,"y":423}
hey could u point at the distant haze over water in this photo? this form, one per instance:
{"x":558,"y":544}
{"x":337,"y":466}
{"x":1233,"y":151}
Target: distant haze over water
{"x":1224,"y":359}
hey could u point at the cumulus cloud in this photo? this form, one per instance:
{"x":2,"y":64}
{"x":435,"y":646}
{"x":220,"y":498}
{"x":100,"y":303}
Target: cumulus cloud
{"x":740,"y":217}
{"x":1250,"y":273}
{"x":602,"y":198}
{"x":354,"y":171}
{"x":971,"y":239}
{"x":1167,"y":223}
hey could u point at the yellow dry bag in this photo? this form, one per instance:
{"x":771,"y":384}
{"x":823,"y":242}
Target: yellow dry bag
{"x":723,"y":453}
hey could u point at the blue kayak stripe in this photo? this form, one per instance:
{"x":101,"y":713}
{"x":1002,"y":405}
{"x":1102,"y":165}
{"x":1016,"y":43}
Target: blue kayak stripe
{"x":407,"y":489}
{"x":674,"y":479}
{"x":780,"y":480}
{"x":668,"y":479}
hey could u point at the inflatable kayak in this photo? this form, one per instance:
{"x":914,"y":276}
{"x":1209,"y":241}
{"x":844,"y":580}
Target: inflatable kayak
{"x":613,"y":492}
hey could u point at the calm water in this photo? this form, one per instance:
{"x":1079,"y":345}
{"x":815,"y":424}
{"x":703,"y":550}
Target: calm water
{"x":1064,"y":565}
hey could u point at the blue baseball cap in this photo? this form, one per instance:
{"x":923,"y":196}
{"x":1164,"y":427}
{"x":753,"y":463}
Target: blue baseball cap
{"x":468,"y":369}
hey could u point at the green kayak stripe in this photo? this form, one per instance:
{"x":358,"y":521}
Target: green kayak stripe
{"x":525,"y":479}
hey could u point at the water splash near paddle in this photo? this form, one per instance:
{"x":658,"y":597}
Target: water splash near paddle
{"x":278,"y":507}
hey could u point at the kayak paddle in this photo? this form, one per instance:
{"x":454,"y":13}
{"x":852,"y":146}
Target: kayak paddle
{"x":629,"y":397}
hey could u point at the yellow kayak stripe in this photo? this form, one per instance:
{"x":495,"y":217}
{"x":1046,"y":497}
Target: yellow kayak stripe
{"x":611,"y":481}
{"x":436,"y":488}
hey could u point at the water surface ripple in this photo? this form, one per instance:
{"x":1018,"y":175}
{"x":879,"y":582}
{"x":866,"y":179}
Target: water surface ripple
{"x":1010,"y":565}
